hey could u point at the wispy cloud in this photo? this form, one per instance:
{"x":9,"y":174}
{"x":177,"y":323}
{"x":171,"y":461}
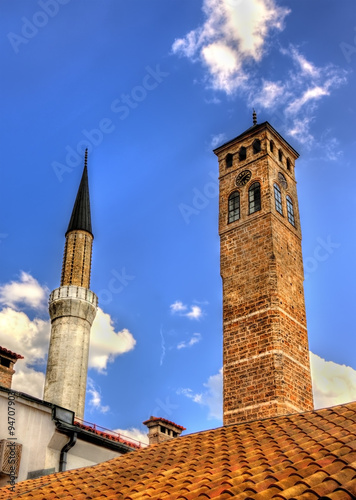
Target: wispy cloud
{"x":177,"y":306}
{"x":217,"y":139}
{"x":192,"y":312}
{"x":210,"y":396}
{"x":196,"y":337}
{"x":94,"y":399}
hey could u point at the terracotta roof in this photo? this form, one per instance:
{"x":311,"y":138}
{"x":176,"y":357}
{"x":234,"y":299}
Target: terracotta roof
{"x":305,"y":456}
{"x":164,"y":421}
{"x":10,"y":353}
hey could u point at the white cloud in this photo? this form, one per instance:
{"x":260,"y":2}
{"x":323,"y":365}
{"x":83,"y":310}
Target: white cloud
{"x":177,"y":306}
{"x":24,"y":336}
{"x":193,"y":340}
{"x":333,"y":384}
{"x":195,"y":312}
{"x":30,"y":337}
{"x":133,"y":433}
{"x":28,"y":380}
{"x":234,"y":32}
{"x":106,"y":343}
{"x":26,"y":292}
{"x":233,"y":40}
{"x":94,"y":400}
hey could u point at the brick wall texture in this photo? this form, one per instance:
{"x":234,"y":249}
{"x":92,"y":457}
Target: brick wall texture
{"x":265,"y":344}
{"x":77,"y":259}
{"x":6,"y":374}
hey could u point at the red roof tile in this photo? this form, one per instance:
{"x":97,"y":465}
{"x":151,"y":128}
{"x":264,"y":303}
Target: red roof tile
{"x":10,"y":353}
{"x":306,"y":456}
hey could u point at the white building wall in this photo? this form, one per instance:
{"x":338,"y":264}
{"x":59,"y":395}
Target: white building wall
{"x":42,"y":442}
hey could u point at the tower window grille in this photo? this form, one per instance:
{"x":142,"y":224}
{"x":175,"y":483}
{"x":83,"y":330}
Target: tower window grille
{"x":290,"y":210}
{"x":280,"y":155}
{"x":256,"y":146}
{"x":228,"y":160}
{"x":242,"y":153}
{"x":254,"y":198}
{"x":234,"y":206}
{"x":271,"y":146}
{"x":278,"y":199}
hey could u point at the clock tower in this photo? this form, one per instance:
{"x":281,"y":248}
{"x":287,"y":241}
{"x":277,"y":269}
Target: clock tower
{"x":265,"y":341}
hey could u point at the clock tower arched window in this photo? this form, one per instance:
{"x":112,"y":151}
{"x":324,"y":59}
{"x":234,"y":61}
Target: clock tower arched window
{"x":290,"y":210}
{"x":278,"y":199}
{"x":254,"y":198}
{"x":234,"y":206}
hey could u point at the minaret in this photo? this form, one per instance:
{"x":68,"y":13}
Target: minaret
{"x":72,"y":308}
{"x":265,"y":341}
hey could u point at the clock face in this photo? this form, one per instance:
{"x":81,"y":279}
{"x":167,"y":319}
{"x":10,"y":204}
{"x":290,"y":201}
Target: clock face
{"x":282,"y":180}
{"x":243,"y":178}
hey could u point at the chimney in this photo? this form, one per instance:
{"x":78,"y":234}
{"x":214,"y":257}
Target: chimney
{"x":7,"y":361}
{"x":160,"y":430}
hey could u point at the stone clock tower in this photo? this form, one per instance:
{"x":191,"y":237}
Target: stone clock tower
{"x":265,"y":344}
{"x":72,"y":308}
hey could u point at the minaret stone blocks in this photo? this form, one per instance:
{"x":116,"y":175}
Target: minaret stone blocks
{"x":265,"y":341}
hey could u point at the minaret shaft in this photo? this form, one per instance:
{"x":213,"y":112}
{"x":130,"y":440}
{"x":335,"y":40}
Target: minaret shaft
{"x":72,"y":309}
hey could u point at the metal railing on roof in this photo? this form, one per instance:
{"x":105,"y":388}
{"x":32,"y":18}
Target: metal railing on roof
{"x":109,"y":434}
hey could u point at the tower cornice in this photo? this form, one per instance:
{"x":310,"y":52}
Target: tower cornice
{"x":252,"y":132}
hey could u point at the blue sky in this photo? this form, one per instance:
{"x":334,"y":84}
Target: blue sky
{"x":151,"y":87}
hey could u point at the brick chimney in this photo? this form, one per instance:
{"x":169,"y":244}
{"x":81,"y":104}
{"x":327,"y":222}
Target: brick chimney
{"x":7,"y":361}
{"x":160,"y":430}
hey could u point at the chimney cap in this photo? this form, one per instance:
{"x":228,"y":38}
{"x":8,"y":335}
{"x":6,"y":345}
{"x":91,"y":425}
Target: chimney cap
{"x":159,"y":420}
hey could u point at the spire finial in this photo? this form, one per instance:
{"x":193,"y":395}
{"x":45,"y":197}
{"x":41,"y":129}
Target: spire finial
{"x":254,"y":117}
{"x":86,"y":158}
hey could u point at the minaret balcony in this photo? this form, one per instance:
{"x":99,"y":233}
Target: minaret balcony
{"x":74,"y":292}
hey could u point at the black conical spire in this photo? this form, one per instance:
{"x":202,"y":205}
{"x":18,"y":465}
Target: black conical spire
{"x":81,"y":218}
